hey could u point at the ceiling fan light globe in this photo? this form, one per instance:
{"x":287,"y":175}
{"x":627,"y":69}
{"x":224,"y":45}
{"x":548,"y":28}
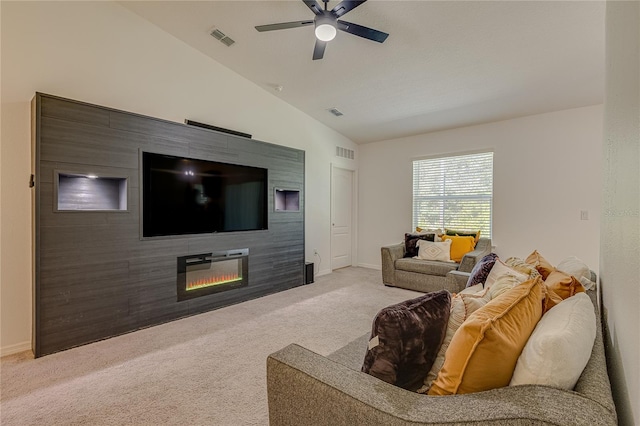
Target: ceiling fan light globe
{"x":326,"y":32}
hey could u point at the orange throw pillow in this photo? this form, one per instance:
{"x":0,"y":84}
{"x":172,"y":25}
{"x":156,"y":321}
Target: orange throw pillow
{"x":563,"y":284}
{"x":540,"y":263}
{"x":551,"y":299}
{"x":484,"y":351}
{"x":460,"y":246}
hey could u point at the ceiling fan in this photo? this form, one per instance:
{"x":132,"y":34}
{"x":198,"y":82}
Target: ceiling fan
{"x":327,"y":24}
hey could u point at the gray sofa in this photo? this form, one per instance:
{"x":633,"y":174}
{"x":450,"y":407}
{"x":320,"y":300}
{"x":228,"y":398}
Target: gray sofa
{"x":427,"y":275}
{"x":305,"y":388}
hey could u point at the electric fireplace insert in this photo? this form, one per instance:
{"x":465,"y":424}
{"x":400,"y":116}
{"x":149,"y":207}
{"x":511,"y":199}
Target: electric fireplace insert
{"x":208,"y":273}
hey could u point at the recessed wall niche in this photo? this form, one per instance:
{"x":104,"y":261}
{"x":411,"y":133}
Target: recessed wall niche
{"x":90,"y":192}
{"x":287,"y":200}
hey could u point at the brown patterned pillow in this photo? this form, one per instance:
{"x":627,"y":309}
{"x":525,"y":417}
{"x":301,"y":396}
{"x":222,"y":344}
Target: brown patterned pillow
{"x":522,"y":267}
{"x":405,"y":339}
{"x":411,"y":243}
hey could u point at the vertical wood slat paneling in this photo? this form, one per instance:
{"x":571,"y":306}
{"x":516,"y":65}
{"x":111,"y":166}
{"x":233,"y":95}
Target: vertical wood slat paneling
{"x":95,"y":276}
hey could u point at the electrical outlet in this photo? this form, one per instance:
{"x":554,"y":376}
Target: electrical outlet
{"x":584,"y":214}
{"x":315,"y":251}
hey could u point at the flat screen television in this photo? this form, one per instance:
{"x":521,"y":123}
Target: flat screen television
{"x":189,"y":196}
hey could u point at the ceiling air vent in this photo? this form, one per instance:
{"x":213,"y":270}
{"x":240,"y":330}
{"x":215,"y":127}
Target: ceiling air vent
{"x":336,"y":112}
{"x":344,"y":153}
{"x":222,"y":37}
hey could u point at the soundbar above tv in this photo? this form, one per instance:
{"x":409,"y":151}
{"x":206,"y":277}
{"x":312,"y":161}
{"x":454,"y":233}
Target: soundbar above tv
{"x":182,"y":196}
{"x":217,"y":129}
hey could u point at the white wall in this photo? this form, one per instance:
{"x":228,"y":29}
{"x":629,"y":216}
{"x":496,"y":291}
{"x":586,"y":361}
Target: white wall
{"x":546,"y":170}
{"x":99,"y":52}
{"x":620,"y":245}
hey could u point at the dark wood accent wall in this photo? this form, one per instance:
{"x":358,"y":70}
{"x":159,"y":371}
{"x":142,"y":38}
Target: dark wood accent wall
{"x":95,"y":276}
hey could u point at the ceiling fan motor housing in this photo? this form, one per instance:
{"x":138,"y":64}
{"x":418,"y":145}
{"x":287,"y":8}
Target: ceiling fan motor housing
{"x":326,"y":26}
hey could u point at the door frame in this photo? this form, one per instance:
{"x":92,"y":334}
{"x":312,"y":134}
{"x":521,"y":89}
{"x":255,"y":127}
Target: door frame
{"x":354,"y":214}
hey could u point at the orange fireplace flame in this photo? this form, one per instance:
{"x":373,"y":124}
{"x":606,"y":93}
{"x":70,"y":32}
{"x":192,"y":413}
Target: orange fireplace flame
{"x":212,"y":280}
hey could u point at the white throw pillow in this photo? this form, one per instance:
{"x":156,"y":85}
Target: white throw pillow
{"x":576,"y":267}
{"x":503,"y":284}
{"x":428,"y":250}
{"x":473,"y":289}
{"x":560,"y":345}
{"x":499,"y":269}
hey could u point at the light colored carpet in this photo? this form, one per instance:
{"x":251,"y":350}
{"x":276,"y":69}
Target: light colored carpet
{"x":206,"y":369}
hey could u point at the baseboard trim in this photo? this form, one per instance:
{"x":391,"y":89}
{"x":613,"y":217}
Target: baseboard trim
{"x":14,"y":349}
{"x":325,"y":272}
{"x":370,"y":266}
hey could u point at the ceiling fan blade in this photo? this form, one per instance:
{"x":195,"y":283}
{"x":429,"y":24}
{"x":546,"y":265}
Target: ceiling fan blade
{"x":318,"y":49}
{"x":360,"y":31}
{"x":283,"y":25}
{"x":314,"y":6}
{"x":345,"y":6}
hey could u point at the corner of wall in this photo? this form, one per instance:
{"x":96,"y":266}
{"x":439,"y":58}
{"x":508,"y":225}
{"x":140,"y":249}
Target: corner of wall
{"x":15,"y":348}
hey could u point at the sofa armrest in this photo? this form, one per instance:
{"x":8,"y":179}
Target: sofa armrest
{"x":483,"y":248}
{"x":389,"y":256}
{"x":458,"y":279}
{"x":305,"y":388}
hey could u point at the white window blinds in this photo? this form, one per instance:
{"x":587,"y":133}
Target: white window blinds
{"x":454,"y":192}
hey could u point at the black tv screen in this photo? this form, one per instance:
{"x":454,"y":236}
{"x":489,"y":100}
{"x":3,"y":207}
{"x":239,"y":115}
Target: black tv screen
{"x":188,"y":196}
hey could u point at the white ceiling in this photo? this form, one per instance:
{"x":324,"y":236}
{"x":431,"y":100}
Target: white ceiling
{"x":445,"y":64}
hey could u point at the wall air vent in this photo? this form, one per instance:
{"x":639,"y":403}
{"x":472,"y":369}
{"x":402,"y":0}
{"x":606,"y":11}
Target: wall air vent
{"x":219,"y":35}
{"x":336,"y":112}
{"x":345,"y":153}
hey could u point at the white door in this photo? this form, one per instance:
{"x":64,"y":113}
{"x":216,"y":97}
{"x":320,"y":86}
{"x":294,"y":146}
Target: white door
{"x":341,"y":217}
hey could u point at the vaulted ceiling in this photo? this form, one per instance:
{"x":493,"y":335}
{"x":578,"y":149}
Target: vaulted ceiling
{"x":445,"y":64}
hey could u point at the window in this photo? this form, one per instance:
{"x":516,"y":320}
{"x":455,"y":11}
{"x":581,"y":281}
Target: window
{"x":454,"y":192}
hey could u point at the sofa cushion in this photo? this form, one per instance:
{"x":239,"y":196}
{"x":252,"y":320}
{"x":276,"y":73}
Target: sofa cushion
{"x":484,"y":351}
{"x":405,"y":339}
{"x":411,"y":241}
{"x":481,"y":270}
{"x":541,"y":264}
{"x":459,"y":246}
{"x":440,"y":251}
{"x":428,"y":267}
{"x":560,"y":346}
{"x":563,"y":284}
